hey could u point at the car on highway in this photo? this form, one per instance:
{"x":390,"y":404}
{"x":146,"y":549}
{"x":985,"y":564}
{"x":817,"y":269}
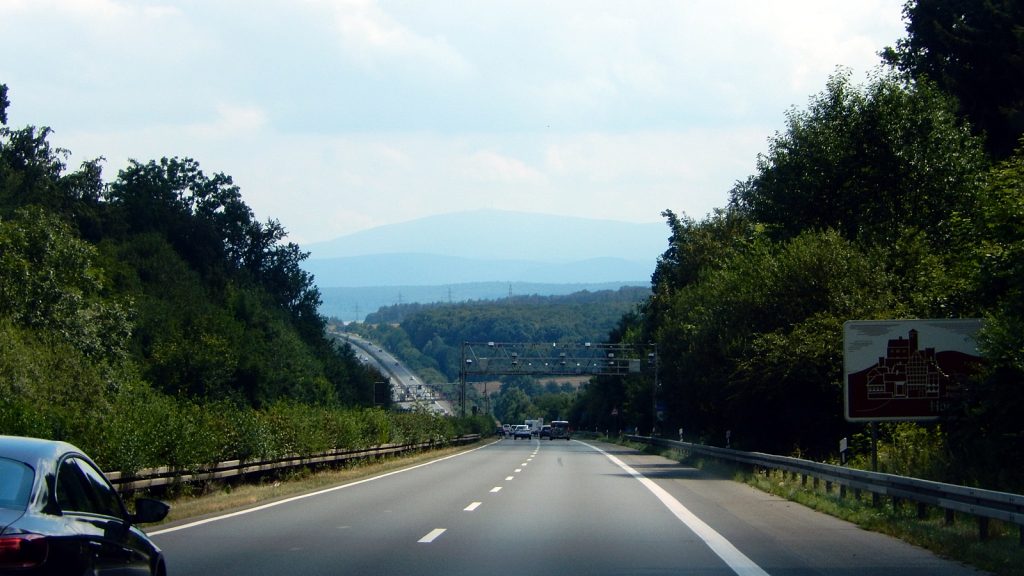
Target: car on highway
{"x":545,"y":431}
{"x":560,"y":429}
{"x":60,"y":515}
{"x":521,"y":431}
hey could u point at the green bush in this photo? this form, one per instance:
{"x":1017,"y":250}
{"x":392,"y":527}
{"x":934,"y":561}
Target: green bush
{"x":906,"y":449}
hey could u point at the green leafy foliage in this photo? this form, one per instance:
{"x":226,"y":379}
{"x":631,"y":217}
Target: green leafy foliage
{"x":972,"y":50}
{"x":867,"y":161}
{"x":876,"y":202}
{"x":430,"y":337}
{"x":153,"y":321}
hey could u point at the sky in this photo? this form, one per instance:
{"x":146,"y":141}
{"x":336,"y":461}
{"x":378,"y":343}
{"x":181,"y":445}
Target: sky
{"x":336,"y":116}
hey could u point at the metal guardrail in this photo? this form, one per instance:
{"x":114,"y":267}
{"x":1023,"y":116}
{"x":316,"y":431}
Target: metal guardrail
{"x":983,"y":504}
{"x":165,"y":475}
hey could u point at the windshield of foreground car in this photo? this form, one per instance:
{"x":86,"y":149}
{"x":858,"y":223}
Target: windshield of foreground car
{"x":15,"y":484}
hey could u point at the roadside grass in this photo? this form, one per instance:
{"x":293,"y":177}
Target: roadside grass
{"x":1002,"y":553}
{"x":197,"y":501}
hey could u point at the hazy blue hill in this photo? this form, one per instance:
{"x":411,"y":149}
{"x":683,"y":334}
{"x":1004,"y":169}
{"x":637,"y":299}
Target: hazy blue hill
{"x":502,"y":235}
{"x":432,"y":270}
{"x":478,"y":256}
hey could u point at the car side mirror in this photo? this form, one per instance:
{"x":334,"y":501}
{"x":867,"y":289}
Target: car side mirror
{"x":149,"y":510}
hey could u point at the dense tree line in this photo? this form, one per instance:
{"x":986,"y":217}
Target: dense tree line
{"x":173,"y":267}
{"x":429,"y":338}
{"x":150,"y":318}
{"x":897,"y":198}
{"x":972,"y":50}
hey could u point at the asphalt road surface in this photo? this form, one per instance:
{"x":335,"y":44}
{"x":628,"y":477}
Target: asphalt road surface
{"x":539,"y":507}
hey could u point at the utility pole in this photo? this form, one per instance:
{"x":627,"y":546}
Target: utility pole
{"x":462,"y":380}
{"x":653,"y":358}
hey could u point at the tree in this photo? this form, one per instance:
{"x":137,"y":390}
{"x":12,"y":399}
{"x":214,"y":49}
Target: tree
{"x":986,"y":430}
{"x":203,"y":218}
{"x":513,"y":406}
{"x":4,"y":103}
{"x":49,"y":282}
{"x":868,"y":162}
{"x":975,"y":51}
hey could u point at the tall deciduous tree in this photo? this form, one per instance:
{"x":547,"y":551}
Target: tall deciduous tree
{"x":974,"y":50}
{"x":988,"y":429}
{"x":866,"y":161}
{"x":49,"y":282}
{"x":4,"y":103}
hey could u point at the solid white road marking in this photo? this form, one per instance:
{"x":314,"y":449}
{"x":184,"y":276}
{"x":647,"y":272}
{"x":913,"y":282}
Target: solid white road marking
{"x":302,"y":496}
{"x":432,"y":536}
{"x":736,"y":560}
{"x":472,"y":506}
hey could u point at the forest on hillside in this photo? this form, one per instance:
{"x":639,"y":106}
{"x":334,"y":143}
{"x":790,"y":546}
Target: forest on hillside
{"x":429,"y":337}
{"x":153,"y":321}
{"x":901,"y":197}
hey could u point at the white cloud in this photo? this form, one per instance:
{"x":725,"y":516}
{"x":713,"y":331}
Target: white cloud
{"x":232,"y":121}
{"x":489,"y":166}
{"x":337,"y":115}
{"x":372,"y":38}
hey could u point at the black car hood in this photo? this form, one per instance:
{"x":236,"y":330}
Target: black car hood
{"x":8,"y":517}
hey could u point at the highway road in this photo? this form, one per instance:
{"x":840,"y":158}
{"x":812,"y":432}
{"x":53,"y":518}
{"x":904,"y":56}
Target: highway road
{"x":518,"y":508}
{"x":410,"y":391}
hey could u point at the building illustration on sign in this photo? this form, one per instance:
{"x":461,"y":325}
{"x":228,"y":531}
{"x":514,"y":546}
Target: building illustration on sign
{"x":924,"y":366}
{"x":906,"y":371}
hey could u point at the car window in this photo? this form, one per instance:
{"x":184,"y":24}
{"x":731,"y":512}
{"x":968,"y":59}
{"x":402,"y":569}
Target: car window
{"x":82,"y":488}
{"x":15,"y":483}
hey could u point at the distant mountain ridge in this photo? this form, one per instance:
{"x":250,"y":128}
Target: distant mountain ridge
{"x":435,"y":270}
{"x":504,"y":235}
{"x":415,"y":261}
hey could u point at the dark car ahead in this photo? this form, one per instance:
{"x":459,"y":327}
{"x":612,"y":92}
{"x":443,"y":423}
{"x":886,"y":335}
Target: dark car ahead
{"x":560,"y":429}
{"x":60,"y":515}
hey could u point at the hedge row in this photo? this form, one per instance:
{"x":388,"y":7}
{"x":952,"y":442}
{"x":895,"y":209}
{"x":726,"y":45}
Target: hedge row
{"x":139,"y":428}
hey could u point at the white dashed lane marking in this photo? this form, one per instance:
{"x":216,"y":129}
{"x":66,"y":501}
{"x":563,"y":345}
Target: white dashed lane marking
{"x":433,"y":535}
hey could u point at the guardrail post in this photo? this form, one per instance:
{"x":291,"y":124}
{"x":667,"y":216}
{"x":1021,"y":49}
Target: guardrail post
{"x":876,"y":500}
{"x":803,"y":479}
{"x":950,"y":517}
{"x":922,"y":511}
{"x":982,"y":528}
{"x":828,"y":486}
{"x":842,"y":491}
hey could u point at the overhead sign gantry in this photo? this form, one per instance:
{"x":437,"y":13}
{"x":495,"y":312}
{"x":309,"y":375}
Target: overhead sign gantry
{"x":553,"y":359}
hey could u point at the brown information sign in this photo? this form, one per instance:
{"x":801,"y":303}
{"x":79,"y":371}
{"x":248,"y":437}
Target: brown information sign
{"x":906,"y":369}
